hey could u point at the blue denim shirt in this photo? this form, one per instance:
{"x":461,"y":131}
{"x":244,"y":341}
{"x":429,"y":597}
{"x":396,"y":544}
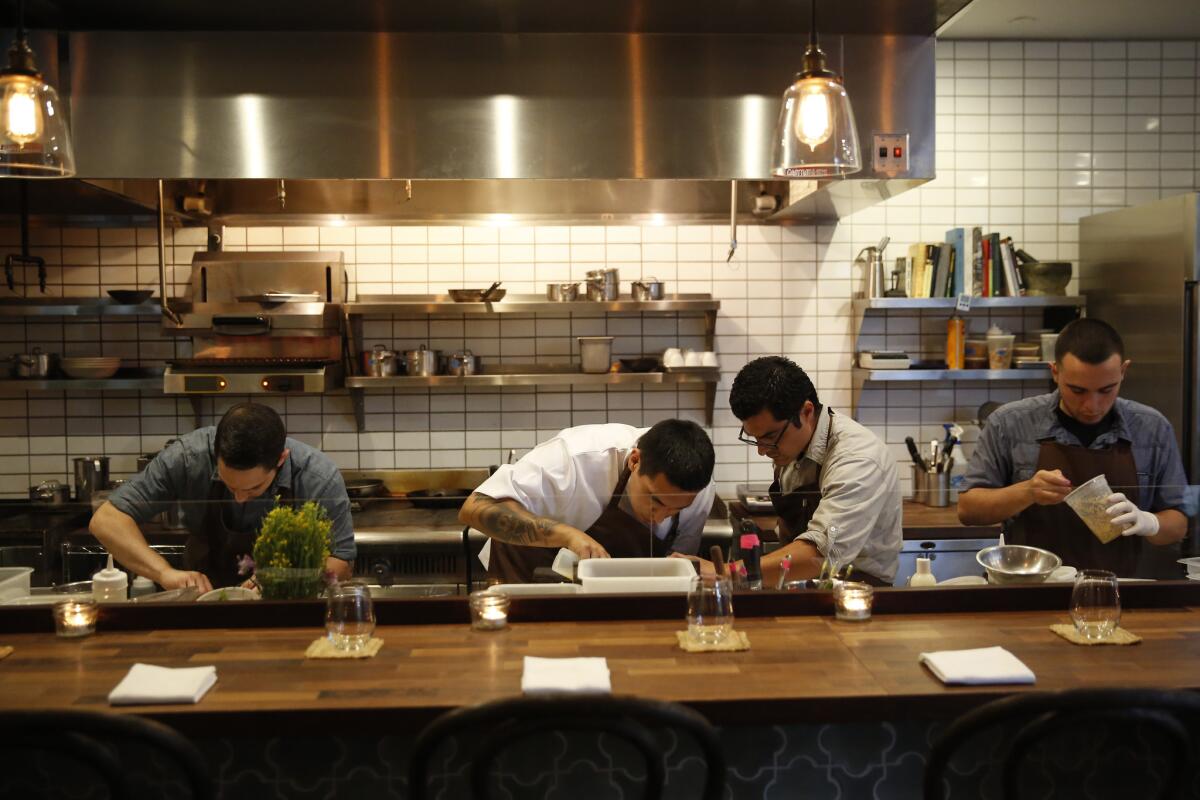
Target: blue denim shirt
{"x":1007,"y":451}
{"x":185,"y":472}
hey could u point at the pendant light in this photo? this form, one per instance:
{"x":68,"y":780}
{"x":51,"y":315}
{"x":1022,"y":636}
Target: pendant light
{"x":34,"y":140}
{"x":816,"y":136}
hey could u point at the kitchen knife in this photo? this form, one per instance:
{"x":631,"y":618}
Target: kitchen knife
{"x":915,"y":453}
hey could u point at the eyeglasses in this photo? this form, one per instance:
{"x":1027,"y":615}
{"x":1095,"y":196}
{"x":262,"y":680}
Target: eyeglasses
{"x":768,"y":444}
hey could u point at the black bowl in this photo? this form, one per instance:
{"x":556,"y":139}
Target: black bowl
{"x":130,"y":297}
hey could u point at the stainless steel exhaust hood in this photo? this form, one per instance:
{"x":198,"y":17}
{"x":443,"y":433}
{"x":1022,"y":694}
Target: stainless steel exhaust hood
{"x":675,"y":110}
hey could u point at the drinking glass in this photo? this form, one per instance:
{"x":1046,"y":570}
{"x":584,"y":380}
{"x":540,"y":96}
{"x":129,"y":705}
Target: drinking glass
{"x":1095,"y":604}
{"x":349,"y":616}
{"x":710,"y":609}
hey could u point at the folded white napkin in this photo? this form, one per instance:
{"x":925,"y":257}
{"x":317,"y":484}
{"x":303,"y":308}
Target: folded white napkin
{"x":146,"y":683}
{"x":981,"y":666}
{"x":565,"y":675}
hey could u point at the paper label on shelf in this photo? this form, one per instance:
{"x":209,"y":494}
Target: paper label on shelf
{"x":964,"y":303}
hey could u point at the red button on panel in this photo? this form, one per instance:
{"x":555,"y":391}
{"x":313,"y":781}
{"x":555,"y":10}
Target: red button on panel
{"x":897,"y":152}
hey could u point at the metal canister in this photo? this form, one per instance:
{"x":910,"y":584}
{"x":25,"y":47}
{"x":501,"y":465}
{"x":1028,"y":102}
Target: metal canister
{"x":91,"y":476}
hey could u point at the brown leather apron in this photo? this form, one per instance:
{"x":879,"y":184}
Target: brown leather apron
{"x":796,"y":508}
{"x":618,"y":532}
{"x":217,"y":549}
{"x":1060,"y":530}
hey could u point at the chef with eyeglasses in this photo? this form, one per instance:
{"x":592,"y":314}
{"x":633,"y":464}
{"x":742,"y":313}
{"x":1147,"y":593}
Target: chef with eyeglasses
{"x":836,"y":490}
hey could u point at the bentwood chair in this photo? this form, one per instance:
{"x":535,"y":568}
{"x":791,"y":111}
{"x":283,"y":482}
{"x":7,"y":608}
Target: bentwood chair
{"x":89,"y":754}
{"x":1087,"y":743}
{"x":563,"y":745}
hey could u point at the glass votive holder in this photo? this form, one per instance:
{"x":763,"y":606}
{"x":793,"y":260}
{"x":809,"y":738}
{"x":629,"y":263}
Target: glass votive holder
{"x":852,"y":601}
{"x":73,"y":618}
{"x":489,"y":610}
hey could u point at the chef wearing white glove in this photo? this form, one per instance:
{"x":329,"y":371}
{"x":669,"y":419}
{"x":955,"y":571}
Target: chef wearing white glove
{"x":1128,"y":516}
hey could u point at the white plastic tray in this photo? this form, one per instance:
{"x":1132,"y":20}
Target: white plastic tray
{"x":636,"y":575}
{"x":14,"y":582}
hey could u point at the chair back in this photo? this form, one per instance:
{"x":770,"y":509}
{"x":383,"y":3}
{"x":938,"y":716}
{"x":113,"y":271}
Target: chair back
{"x":1094,"y":743}
{"x":484,"y":734}
{"x":94,"y":741}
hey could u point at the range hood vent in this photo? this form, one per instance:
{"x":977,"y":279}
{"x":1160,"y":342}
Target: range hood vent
{"x":534,"y":125}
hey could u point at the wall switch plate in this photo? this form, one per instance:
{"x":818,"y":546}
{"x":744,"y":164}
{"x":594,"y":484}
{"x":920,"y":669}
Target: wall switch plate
{"x":889,"y":153}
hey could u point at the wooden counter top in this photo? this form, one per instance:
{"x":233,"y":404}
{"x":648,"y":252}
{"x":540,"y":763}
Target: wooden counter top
{"x":804,"y":668}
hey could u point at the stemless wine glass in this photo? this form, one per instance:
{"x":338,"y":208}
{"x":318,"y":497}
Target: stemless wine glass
{"x":710,"y":609}
{"x":1096,"y":604}
{"x":349,"y":616}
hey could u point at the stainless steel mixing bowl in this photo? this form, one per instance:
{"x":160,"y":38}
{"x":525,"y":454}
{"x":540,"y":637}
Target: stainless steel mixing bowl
{"x":1016,"y":563}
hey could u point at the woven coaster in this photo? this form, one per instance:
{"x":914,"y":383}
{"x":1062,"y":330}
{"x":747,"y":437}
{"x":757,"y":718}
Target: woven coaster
{"x":736,"y":640}
{"x":4,"y":652}
{"x":1119,"y":636}
{"x":323,"y":648}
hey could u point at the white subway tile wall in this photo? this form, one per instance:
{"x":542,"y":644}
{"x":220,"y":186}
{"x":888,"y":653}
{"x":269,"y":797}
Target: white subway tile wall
{"x":1030,"y":137}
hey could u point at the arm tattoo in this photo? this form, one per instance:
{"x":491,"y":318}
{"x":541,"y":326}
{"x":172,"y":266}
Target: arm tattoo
{"x":508,"y":524}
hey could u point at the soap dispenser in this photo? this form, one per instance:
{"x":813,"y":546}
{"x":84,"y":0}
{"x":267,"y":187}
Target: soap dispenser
{"x":110,"y":584}
{"x":924,"y":574}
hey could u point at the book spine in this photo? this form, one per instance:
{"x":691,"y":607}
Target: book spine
{"x":977,"y":262}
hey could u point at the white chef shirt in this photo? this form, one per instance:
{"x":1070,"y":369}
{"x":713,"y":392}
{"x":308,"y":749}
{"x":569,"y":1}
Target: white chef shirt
{"x":571,"y":478}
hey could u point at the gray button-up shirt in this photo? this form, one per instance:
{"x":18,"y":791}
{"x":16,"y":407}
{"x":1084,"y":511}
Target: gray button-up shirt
{"x":860,"y":495}
{"x":185,"y":472}
{"x":1007,"y":451}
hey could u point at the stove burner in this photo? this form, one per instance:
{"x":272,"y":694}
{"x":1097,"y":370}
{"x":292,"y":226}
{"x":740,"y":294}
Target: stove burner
{"x":250,"y":363}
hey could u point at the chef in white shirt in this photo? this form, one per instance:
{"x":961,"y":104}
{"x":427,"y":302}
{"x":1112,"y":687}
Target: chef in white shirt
{"x":599,"y":491}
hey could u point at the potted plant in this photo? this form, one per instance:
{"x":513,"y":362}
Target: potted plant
{"x":290,"y":552}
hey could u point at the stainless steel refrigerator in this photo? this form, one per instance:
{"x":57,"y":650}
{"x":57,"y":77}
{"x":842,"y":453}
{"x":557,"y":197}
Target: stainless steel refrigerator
{"x":1140,"y":271}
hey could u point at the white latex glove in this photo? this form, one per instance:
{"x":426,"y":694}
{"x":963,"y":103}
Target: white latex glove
{"x":1128,"y":516}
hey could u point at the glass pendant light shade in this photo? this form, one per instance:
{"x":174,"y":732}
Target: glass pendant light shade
{"x":34,"y":139}
{"x":815,"y":136}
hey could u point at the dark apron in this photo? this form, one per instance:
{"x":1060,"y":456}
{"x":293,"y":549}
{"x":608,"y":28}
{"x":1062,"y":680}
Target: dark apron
{"x":619,"y":533}
{"x":795,"y":510}
{"x":215,"y":551}
{"x":1060,"y":530}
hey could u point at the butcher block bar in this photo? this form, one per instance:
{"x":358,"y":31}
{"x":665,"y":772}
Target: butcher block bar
{"x":854,"y":672}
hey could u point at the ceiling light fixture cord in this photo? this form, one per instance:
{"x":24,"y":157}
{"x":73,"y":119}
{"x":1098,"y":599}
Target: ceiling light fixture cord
{"x":812,"y":31}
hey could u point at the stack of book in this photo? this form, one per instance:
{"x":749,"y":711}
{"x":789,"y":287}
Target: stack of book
{"x":949,"y":269}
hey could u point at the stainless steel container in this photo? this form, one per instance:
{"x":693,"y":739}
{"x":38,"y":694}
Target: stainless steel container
{"x":461,"y":363}
{"x":603,"y":284}
{"x":32,"y":365}
{"x":91,"y":476}
{"x":422,"y":361}
{"x":651,"y":289}
{"x":562,"y":292}
{"x":931,"y":488}
{"x":379,"y":362}
{"x":595,"y":353}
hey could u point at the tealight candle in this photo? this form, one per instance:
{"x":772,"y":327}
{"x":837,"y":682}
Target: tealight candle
{"x":852,"y":601}
{"x":75,"y":617}
{"x":489,"y":610}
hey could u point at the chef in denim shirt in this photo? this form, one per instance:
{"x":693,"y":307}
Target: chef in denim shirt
{"x":229,"y":478}
{"x":1033,"y":452}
